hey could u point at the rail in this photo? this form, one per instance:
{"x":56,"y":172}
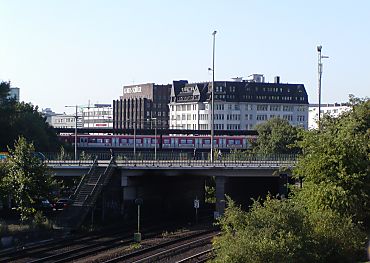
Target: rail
{"x":178,"y":159}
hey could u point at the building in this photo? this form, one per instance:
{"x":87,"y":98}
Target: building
{"x":65,"y":121}
{"x":48,"y":113}
{"x":143,"y":106}
{"x":334,"y":110}
{"x":62,"y":120}
{"x":239,"y":105}
{"x":14,"y":94}
{"x":97,"y":116}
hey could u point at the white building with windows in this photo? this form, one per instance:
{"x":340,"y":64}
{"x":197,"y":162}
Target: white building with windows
{"x":332,"y":109}
{"x":239,"y":105}
{"x":65,"y":121}
{"x":97,"y":116}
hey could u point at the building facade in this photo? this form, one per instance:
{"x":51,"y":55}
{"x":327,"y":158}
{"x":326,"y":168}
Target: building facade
{"x":332,"y":109}
{"x":239,"y":105}
{"x":97,"y":116}
{"x":65,"y":121}
{"x":142,"y":106}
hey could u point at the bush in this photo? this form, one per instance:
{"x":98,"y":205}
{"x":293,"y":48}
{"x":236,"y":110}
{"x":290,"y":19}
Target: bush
{"x":283,"y":231}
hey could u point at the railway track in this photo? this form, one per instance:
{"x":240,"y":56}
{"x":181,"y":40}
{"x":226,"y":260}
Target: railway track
{"x":55,"y":247}
{"x":167,"y":249}
{"x":72,"y":250}
{"x":200,"y":257}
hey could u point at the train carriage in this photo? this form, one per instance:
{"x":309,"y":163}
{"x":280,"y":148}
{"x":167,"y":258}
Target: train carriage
{"x":150,"y":142}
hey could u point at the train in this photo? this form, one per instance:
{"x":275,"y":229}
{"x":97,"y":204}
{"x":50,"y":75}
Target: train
{"x":165,"y":142}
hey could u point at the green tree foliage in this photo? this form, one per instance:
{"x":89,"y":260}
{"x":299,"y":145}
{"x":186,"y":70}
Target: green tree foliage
{"x":335,"y":163}
{"x":322,"y":222}
{"x":276,"y":136}
{"x":282,"y":231}
{"x":27,"y":178}
{"x":23,"y":119}
{"x":4,"y":91}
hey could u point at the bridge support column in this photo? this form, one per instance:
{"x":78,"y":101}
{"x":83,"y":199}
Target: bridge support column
{"x":220,"y":195}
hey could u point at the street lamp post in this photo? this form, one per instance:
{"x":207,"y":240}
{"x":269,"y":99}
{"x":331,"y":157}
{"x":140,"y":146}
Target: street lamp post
{"x":319,"y":48}
{"x":134,"y":139}
{"x":212,"y":94}
{"x":155,"y":138}
{"x":76,"y":117}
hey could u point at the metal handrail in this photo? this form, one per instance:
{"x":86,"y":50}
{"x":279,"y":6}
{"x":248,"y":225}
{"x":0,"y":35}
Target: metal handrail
{"x":86,"y":176}
{"x":99,"y":179}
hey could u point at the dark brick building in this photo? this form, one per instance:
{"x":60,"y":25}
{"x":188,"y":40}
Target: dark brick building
{"x":142,"y":105}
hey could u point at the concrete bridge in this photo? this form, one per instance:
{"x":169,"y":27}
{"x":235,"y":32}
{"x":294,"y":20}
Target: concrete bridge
{"x":173,"y":185}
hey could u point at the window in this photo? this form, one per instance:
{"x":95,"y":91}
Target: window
{"x":274,"y":107}
{"x":261,"y":117}
{"x":287,"y":108}
{"x":262,"y":107}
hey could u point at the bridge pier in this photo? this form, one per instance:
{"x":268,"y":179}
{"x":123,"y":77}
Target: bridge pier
{"x":221,"y":182}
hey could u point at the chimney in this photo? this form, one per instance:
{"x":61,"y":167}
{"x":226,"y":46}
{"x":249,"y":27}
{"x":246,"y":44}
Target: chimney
{"x":277,"y":79}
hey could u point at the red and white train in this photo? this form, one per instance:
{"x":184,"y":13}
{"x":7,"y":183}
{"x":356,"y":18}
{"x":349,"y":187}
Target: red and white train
{"x":163,"y":142}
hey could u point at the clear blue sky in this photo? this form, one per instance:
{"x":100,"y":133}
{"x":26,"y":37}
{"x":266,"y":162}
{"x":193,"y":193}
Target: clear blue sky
{"x":68,"y":52}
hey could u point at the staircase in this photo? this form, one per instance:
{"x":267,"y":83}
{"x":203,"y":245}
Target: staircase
{"x":85,"y":196}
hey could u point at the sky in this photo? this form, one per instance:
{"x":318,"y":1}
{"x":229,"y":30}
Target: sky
{"x":73,"y":52}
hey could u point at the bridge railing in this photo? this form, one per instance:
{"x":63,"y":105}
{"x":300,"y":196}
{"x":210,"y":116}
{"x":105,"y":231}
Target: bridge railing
{"x":176,"y":159}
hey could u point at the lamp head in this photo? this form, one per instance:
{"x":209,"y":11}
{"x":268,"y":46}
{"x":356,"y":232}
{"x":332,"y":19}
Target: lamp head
{"x":214,"y":32}
{"x":319,"y":48}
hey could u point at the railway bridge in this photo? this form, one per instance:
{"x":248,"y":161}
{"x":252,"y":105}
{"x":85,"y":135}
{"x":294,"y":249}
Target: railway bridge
{"x":171,"y":185}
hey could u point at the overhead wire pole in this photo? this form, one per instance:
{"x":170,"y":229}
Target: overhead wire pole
{"x":319,"y":48}
{"x":76,"y":118}
{"x":134,"y":139}
{"x":212,"y":95}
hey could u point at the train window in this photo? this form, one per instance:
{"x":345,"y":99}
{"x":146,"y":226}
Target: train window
{"x":166,"y":141}
{"x":131,"y":141}
{"x":231,"y":141}
{"x":99,"y":140}
{"x":237,"y":142}
{"x":93,"y":140}
{"x":189,"y":141}
{"x":138,"y":140}
{"x":153,"y":141}
{"x":207,"y":141}
{"x":183,"y":141}
{"x":107,"y":140}
{"x":124,"y":141}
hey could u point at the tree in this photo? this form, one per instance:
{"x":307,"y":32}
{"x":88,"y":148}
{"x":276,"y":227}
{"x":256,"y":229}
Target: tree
{"x":4,"y":91}
{"x":282,"y":231}
{"x":322,"y":221}
{"x":23,"y":119}
{"x":27,"y":178}
{"x":335,"y":163}
{"x":276,"y":136}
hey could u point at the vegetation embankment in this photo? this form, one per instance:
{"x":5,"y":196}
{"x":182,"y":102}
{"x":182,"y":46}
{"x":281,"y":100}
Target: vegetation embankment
{"x":327,"y":220}
{"x":24,"y":179}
